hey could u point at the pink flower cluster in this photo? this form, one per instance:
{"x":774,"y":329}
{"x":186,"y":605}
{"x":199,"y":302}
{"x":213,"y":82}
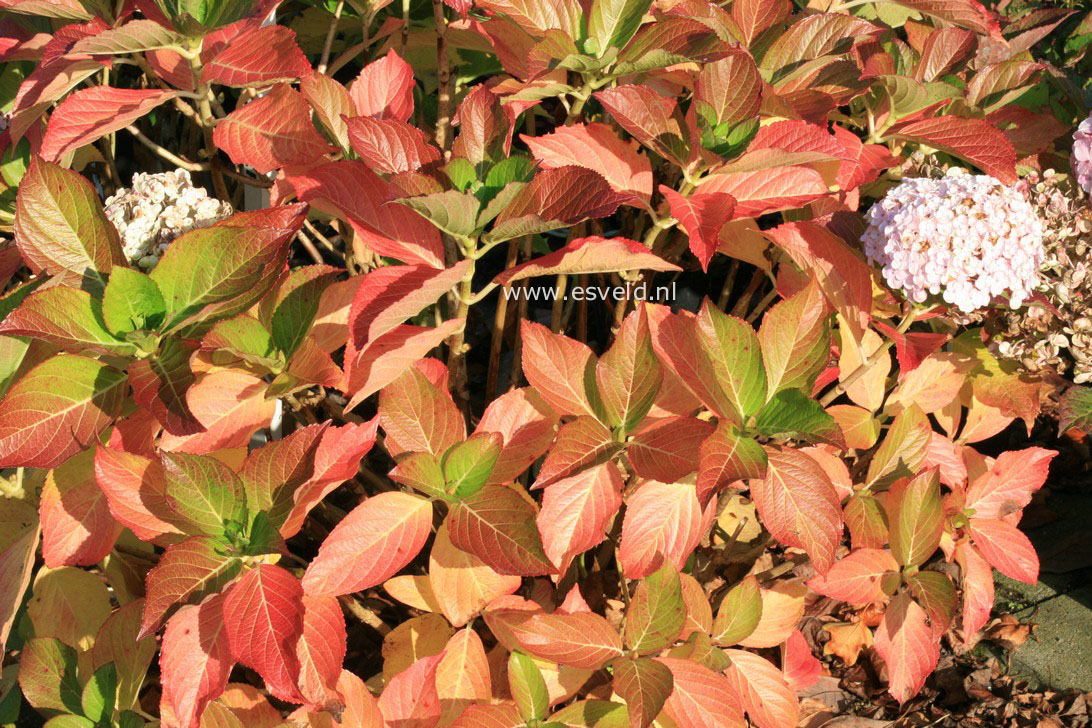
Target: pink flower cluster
{"x":1081,"y":156}
{"x":966,"y":237}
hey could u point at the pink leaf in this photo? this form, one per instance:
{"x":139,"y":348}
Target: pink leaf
{"x":858,"y":578}
{"x":596,"y":147}
{"x":1006,"y":488}
{"x":1006,"y":548}
{"x":663,"y":522}
{"x":320,"y":651}
{"x":410,"y":699}
{"x":576,"y":512}
{"x":92,"y":113}
{"x":908,"y":647}
{"x":390,"y":146}
{"x":384,"y":89}
{"x":768,"y":190}
{"x":391,"y":527}
{"x":259,"y":57}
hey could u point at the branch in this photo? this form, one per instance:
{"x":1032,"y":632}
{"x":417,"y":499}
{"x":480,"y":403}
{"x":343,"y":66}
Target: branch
{"x":166,"y":153}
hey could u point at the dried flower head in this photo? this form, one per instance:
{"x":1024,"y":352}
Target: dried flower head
{"x":1054,"y":336}
{"x":1081,"y":156}
{"x":156,"y":210}
{"x":968,"y":238}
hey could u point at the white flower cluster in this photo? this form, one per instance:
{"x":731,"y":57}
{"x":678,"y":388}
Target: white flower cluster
{"x":1081,"y":156}
{"x":966,"y":237}
{"x":158,"y":209}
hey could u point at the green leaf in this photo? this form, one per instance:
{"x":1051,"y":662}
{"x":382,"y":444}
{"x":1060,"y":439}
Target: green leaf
{"x":657,"y":612}
{"x":58,"y":409}
{"x":244,"y":337}
{"x":129,"y":719}
{"x":739,"y":613}
{"x":451,"y":211}
{"x":527,"y":686}
{"x":47,"y":675}
{"x":69,"y":721}
{"x":592,"y":714}
{"x":422,"y":471}
{"x":791,"y":413}
{"x":903,"y":449}
{"x":1075,"y":409}
{"x":216,"y":272}
{"x":66,"y":317}
{"x":100,"y":693}
{"x":461,"y":173}
{"x":733,"y":349}
{"x":645,"y":685}
{"x":629,"y":374}
{"x":504,"y":173}
{"x":916,"y":516}
{"x":132,"y":302}
{"x":60,"y":227}
{"x":204,"y":492}
{"x":613,"y":22}
{"x":10,"y":697}
{"x":468,"y":465}
{"x":297,"y":304}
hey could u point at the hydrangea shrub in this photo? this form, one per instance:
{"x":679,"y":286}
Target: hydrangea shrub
{"x":348,"y":404}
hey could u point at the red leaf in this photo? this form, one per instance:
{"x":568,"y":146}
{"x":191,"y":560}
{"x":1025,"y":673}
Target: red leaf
{"x":77,"y":528}
{"x":858,"y":578}
{"x":526,"y":424}
{"x":385,"y":359}
{"x":762,"y":690}
{"x":799,"y":505}
{"x":576,"y":512}
{"x":391,"y":527}
{"x":701,"y":216}
{"x":701,"y":698}
{"x":271,"y":131}
{"x":259,"y":57}
{"x":729,"y":90}
{"x":1006,"y":488}
{"x":558,"y":197}
{"x":664,"y":449}
{"x":580,"y":444}
{"x":410,"y":699}
{"x":230,"y":404}
{"x":497,"y":525}
{"x":943,"y":49}
{"x":353,"y":192}
{"x":384,"y":89}
{"x":907,"y":646}
{"x":589,"y":255}
{"x":92,"y":113}
{"x":186,"y":572}
{"x":320,"y":651}
{"x":160,"y":385}
{"x":964,"y":13}
{"x":263,"y":615}
{"x":973,"y":140}
{"x":753,"y":17}
{"x":912,"y":348}
{"x":135,"y":488}
{"x":1006,"y":548}
{"x":598,"y":148}
{"x":663,"y":522}
{"x":768,"y":190}
{"x":578,"y":639}
{"x":843,"y":275}
{"x":390,"y":146}
{"x":649,"y":117}
{"x":800,"y":667}
{"x":195,"y":660}
{"x":390,"y":295}
{"x":462,"y":583}
{"x":336,"y":459}
{"x":726,"y":456}
{"x":977,"y":589}
{"x":57,"y":409}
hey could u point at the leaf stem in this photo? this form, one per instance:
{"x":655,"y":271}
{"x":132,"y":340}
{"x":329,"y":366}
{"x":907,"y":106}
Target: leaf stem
{"x":869,"y":361}
{"x":328,"y":43}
